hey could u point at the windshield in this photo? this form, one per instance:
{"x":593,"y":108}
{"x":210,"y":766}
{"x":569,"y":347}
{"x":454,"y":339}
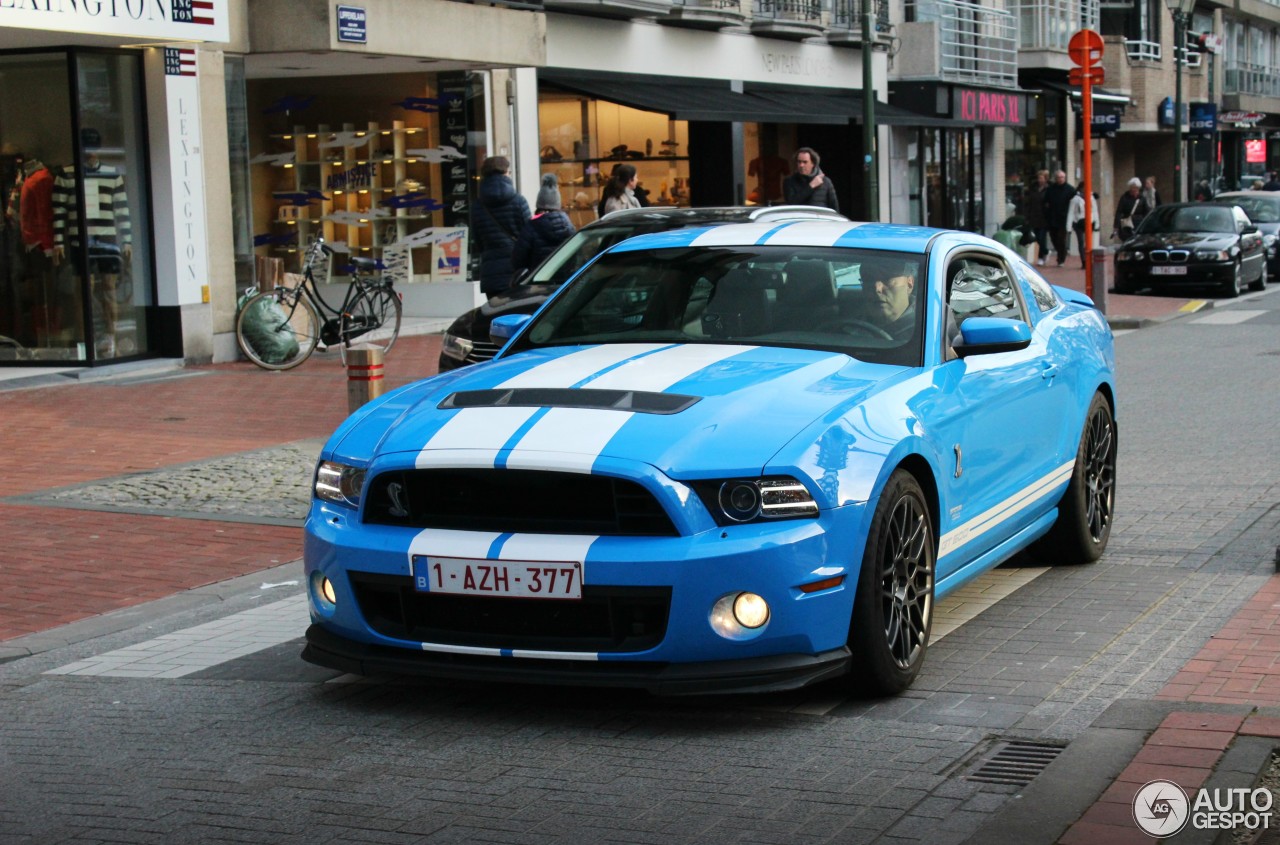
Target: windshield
{"x":858,"y":302}
{"x":1197,"y":218}
{"x":1259,"y":209}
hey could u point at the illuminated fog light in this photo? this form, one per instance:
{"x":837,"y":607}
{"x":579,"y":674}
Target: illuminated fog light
{"x":326,"y":598}
{"x":750,"y":610}
{"x":739,"y":616}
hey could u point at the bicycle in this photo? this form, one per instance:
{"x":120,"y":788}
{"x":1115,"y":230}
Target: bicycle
{"x":280,"y":328}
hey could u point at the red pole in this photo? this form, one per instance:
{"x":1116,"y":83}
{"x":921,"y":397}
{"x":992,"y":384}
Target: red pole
{"x":1086,"y":94}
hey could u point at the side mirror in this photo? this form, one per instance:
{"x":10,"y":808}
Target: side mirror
{"x":506,"y":327}
{"x":985,"y":335}
{"x":1249,"y":230}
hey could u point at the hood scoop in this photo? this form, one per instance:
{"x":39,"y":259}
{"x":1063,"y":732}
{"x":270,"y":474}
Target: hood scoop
{"x":635,"y":401}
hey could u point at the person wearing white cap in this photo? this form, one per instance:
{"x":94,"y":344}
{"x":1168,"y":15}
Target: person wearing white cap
{"x":1130,"y":211}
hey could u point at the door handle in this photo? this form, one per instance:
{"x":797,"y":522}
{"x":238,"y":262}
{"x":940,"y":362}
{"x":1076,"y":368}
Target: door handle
{"x":1049,"y":371}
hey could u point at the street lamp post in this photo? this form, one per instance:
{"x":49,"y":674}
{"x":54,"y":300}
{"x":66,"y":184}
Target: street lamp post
{"x":1181,"y":12}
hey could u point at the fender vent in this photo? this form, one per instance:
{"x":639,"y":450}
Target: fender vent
{"x":1016,"y":763}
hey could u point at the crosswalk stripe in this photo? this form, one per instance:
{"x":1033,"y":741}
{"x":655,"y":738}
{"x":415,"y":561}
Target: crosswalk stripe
{"x":1227,"y":317}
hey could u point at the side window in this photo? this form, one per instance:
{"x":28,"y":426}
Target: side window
{"x":981,"y":287}
{"x":1041,"y":291}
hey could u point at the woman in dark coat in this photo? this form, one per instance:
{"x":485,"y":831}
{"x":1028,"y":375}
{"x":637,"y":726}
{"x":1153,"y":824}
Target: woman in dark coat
{"x":496,"y":224}
{"x":549,"y":227}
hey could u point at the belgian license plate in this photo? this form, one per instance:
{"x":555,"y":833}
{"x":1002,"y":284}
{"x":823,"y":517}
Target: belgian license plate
{"x":1169,"y":270}
{"x":510,"y":578}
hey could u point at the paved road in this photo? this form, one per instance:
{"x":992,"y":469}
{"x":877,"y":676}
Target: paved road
{"x":190,"y":719}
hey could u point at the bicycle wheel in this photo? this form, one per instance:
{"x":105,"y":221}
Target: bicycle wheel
{"x":277,"y":330}
{"x":373,"y":319}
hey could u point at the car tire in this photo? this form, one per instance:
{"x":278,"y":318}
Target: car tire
{"x":1232,"y":288}
{"x":1261,"y":283}
{"x":1087,"y":508}
{"x":1123,"y":285}
{"x":893,"y":608}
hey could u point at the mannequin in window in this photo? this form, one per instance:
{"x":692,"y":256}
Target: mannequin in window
{"x":107,"y":225}
{"x":35,"y":221}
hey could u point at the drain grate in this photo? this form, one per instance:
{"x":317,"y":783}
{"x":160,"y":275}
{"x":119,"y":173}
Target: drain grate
{"x":1016,"y":762}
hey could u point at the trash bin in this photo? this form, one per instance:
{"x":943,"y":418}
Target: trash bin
{"x":1101,"y":276}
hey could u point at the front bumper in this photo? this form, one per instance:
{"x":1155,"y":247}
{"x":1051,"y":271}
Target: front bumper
{"x":1138,"y":274}
{"x":763,"y":674}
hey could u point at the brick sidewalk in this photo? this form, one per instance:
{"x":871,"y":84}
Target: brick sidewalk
{"x":1240,"y":666}
{"x":60,"y":565}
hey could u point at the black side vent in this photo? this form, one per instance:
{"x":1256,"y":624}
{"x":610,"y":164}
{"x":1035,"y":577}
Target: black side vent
{"x":505,"y":500}
{"x":641,"y":402}
{"x":1016,"y":762}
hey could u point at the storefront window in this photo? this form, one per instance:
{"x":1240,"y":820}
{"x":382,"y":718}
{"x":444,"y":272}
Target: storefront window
{"x":582,"y":139}
{"x":370,"y":173}
{"x":75,"y":281}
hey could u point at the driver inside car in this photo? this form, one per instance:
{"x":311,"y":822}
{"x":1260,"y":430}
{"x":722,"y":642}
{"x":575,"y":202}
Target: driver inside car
{"x":888,"y":295}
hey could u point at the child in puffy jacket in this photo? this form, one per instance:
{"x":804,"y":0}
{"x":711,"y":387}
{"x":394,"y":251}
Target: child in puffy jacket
{"x":548,"y":228}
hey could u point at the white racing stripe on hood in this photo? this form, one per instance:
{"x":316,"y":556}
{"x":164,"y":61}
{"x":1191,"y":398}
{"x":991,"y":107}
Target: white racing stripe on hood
{"x":579,"y":435}
{"x":576,"y":366}
{"x":473,"y":436}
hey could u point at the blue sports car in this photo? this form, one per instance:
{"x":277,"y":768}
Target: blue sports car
{"x":747,"y":457}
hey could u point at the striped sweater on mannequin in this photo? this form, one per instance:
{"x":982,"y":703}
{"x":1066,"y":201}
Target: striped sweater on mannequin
{"x":106,"y":207}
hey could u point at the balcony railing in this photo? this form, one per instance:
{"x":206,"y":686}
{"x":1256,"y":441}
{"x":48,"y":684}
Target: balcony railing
{"x":847,"y":14}
{"x":1049,"y":24}
{"x":791,"y":19}
{"x":1251,"y":79}
{"x":1143,"y":51}
{"x":978,"y":44}
{"x":706,"y":14}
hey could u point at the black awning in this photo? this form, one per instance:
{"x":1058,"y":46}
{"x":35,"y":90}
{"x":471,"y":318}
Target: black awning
{"x":1100,"y":94}
{"x":684,"y":100}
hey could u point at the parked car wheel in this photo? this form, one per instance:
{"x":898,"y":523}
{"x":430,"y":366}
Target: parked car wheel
{"x":1232,"y":288}
{"x":893,"y":610}
{"x":1085,"y":513}
{"x":1261,"y":283}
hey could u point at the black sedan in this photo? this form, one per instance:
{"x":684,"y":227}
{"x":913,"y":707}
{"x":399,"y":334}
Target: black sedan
{"x":1196,"y":244}
{"x":1263,"y":208}
{"x":467,"y":340}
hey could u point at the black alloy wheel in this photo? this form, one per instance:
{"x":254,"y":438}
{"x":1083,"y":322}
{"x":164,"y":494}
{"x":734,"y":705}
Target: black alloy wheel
{"x":893,"y":608}
{"x":1087,"y":509}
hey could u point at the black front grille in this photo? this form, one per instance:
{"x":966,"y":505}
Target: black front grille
{"x":517,"y":501}
{"x":481,"y":351}
{"x":622,"y":619}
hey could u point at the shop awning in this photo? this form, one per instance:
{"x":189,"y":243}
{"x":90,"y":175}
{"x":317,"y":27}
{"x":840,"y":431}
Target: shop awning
{"x":689,"y":101}
{"x":1100,"y":94}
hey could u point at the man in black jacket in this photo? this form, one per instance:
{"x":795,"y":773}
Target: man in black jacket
{"x":808,"y":185}
{"x":1057,"y":204}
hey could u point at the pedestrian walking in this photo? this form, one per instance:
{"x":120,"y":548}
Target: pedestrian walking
{"x":1075,"y":217}
{"x":620,"y":192}
{"x":808,"y":185}
{"x":1034,"y":213}
{"x":1130,"y":211}
{"x":547,"y":229}
{"x":1057,"y":205}
{"x":1150,"y":194}
{"x":496,"y":224}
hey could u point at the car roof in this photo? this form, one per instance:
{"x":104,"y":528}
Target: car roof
{"x":674,"y":218}
{"x":1264,"y":195}
{"x":887,"y":236}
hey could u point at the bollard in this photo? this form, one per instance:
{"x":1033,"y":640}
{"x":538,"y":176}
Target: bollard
{"x":364,"y":375}
{"x":1101,"y":257}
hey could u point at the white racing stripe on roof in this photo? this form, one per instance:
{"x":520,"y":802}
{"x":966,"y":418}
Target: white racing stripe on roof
{"x":577,"y":436}
{"x":814,"y":234}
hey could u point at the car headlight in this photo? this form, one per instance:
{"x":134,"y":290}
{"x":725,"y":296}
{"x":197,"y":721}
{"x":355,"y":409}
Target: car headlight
{"x":741,"y":500}
{"x":339,"y":483}
{"x":455,"y":347}
{"x":1212,"y":255}
{"x":1130,"y":255}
